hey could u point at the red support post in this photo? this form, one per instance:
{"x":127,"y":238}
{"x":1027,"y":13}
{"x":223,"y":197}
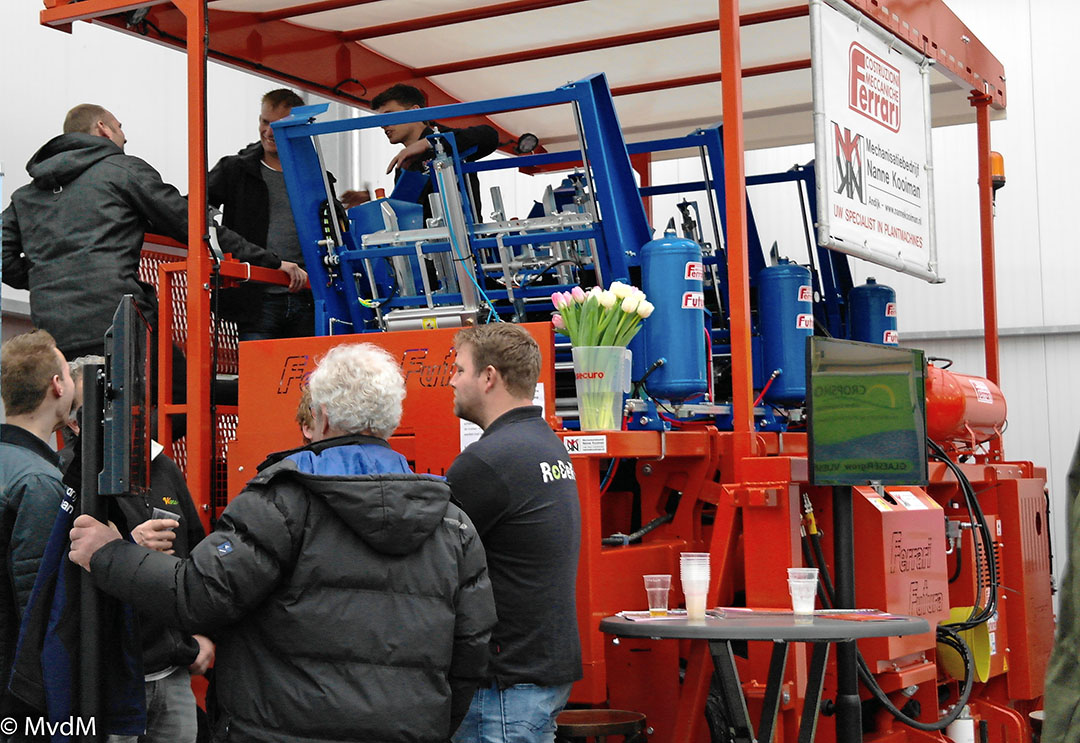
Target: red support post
{"x":738,"y":253}
{"x":200,"y":458}
{"x":982,"y":103}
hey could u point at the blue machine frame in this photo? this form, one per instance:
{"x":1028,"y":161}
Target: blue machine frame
{"x":622,"y":229}
{"x":613,"y":222}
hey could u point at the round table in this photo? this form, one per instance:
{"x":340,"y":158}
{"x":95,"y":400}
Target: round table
{"x":779,"y":629}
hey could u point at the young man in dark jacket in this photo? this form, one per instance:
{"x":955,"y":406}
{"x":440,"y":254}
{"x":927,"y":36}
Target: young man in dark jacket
{"x":74,"y":236}
{"x":349,"y":598}
{"x":418,"y":149}
{"x":38,"y":392}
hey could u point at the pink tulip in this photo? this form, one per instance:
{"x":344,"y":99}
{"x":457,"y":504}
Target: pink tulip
{"x":557,"y":321}
{"x":557,"y":300}
{"x":577,"y":294}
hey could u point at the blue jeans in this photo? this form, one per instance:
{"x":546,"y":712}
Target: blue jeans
{"x":523,"y":713}
{"x":280,"y":315}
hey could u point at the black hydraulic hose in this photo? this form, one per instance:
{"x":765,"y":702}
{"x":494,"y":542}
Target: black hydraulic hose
{"x":978,"y":615}
{"x":945,"y":635}
{"x":806,"y":556}
{"x":959,"y":563}
{"x":826,"y":577}
{"x":621,"y":540}
{"x":826,"y":590}
{"x":639,"y":385}
{"x":808,"y":559}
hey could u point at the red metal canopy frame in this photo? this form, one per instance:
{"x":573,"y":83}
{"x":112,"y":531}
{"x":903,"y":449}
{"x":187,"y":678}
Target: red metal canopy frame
{"x":269,"y":44}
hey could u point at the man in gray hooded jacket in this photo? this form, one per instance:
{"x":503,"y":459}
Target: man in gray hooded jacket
{"x":349,"y":598}
{"x":74,"y":235}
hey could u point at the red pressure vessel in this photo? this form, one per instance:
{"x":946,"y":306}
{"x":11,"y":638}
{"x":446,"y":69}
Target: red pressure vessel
{"x":961,"y":408}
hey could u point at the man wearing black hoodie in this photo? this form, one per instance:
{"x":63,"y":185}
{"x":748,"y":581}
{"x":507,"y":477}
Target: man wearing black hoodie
{"x":74,"y":236}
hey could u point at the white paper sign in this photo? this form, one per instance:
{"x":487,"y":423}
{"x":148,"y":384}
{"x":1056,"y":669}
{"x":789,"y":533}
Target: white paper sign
{"x":590,"y":444}
{"x":872,"y":143}
{"x":908,"y":500}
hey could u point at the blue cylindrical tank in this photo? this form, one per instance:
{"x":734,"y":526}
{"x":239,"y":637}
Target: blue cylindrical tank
{"x":872,"y":313}
{"x":786,"y":313}
{"x":671,"y":276}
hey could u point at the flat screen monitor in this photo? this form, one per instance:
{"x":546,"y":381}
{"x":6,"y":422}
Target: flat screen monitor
{"x":866,"y":413}
{"x":126,"y":436}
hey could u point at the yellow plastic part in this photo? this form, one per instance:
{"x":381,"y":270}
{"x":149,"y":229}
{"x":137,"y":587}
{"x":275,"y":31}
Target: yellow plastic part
{"x":978,"y":640}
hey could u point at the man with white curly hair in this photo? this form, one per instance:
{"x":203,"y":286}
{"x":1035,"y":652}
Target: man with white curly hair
{"x":349,"y":598}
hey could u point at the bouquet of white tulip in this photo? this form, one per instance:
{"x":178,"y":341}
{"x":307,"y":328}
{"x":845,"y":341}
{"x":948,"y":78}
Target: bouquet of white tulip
{"x":600,"y":323}
{"x":600,"y":317}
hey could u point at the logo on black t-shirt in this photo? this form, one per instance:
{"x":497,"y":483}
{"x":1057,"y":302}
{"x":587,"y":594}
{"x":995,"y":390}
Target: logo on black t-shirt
{"x":557,"y":470}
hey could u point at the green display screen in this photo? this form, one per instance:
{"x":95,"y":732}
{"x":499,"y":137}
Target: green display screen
{"x":867,"y":413}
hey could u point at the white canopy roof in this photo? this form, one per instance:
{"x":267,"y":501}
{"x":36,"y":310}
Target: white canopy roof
{"x":661,"y":59}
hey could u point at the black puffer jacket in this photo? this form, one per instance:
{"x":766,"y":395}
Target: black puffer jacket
{"x":74,"y":235}
{"x":345,"y":607}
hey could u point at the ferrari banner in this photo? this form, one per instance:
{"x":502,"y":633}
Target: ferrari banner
{"x":872,"y":142}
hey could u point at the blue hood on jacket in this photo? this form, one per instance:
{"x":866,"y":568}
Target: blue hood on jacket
{"x":372,"y":489}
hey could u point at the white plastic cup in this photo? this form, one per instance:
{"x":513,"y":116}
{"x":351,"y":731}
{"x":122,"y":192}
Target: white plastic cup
{"x":695,"y":605}
{"x":658,"y":587}
{"x":694,"y":573}
{"x":802,"y":585}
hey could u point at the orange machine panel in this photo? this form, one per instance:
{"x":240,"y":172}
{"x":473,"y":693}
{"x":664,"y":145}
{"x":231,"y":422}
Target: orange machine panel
{"x":1023,"y":630}
{"x":1025,"y":594}
{"x":430,"y":435}
{"x":900,"y":565}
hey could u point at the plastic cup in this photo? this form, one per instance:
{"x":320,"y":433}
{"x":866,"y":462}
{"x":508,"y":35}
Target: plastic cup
{"x":658,"y":587}
{"x":695,"y":606}
{"x":802,"y":584}
{"x":694,"y":573}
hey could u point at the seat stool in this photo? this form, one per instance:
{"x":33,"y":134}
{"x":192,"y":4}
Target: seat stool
{"x":1036,"y":720}
{"x":582,"y":724}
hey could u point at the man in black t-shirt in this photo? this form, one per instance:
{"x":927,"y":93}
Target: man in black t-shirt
{"x":517,"y":485}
